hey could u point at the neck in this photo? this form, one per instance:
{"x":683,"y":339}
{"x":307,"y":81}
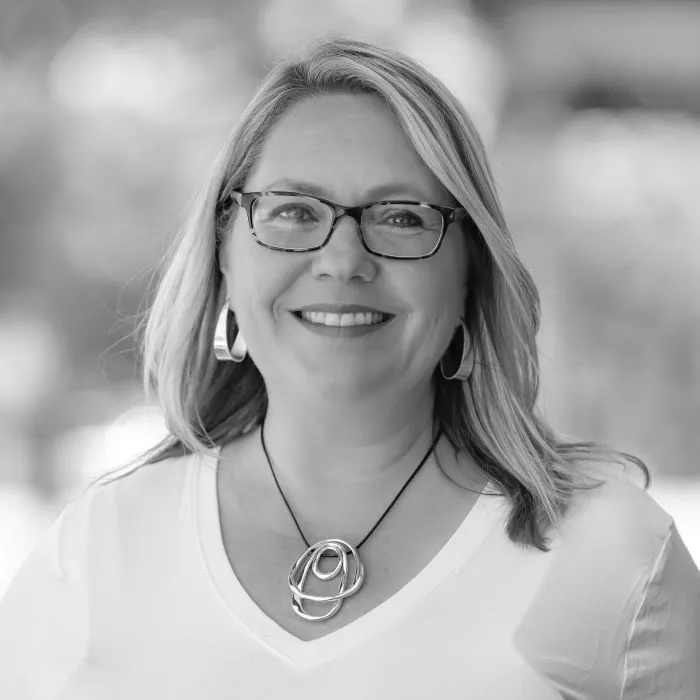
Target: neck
{"x":366,"y":444}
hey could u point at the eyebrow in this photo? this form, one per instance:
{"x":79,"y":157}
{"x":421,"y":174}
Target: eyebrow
{"x":374,"y":194}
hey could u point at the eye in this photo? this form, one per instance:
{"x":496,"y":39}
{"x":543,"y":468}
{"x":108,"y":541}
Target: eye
{"x":293,"y":212}
{"x":400,"y":218}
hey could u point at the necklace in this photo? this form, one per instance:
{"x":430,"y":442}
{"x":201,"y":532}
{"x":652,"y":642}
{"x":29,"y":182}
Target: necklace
{"x":343,"y":552}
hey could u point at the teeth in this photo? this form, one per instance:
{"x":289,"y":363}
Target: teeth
{"x":342,"y":320}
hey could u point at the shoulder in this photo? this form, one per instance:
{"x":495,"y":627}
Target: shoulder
{"x":618,"y":517}
{"x":612,"y":542}
{"x":136,"y":496}
{"x":607,"y":547}
{"x":606,"y":589}
{"x":151,"y":481}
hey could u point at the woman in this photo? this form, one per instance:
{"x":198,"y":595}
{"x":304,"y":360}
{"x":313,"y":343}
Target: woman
{"x":357,"y":498}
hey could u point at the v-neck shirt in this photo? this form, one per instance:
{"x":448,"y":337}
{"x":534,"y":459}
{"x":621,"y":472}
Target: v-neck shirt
{"x":131,"y":595}
{"x":458,"y":549}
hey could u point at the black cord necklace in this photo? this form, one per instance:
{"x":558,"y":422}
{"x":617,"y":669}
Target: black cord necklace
{"x":334,"y":547}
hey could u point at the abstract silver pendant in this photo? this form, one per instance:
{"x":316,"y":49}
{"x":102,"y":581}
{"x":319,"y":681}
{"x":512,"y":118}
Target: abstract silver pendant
{"x":310,"y":561}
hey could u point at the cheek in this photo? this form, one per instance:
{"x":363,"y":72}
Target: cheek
{"x":445,"y":287}
{"x":241,"y":278}
{"x":443,"y":293}
{"x":437,"y":303}
{"x":258,"y":278}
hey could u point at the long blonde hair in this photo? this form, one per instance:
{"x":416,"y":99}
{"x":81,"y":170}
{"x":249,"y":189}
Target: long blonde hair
{"x":491,"y":417}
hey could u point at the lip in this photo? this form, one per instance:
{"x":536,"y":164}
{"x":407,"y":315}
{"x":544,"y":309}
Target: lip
{"x":346,"y":332}
{"x":342,"y":309}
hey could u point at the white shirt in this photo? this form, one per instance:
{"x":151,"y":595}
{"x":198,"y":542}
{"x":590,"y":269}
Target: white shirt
{"x":131,"y":595}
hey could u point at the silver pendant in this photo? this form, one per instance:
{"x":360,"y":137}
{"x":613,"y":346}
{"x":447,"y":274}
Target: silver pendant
{"x":309,"y":561}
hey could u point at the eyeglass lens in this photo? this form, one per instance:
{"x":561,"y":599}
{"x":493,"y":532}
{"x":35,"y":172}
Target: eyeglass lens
{"x":289,"y":222}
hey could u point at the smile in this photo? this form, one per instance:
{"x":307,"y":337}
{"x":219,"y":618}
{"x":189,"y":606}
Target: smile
{"x":344,"y":320}
{"x":342,"y":325}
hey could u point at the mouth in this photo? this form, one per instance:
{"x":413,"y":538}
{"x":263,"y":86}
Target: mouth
{"x":343,"y":320}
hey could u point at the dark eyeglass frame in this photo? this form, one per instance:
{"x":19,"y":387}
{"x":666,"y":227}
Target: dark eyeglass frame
{"x":247,"y":201}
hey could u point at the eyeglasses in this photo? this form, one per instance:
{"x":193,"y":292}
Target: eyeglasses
{"x":298,"y":223}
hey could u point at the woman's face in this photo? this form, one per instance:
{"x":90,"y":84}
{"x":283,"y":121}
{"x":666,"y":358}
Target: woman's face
{"x":350,"y":150}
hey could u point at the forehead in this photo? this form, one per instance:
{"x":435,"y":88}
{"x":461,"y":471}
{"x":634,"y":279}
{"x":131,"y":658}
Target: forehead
{"x":347,"y":144}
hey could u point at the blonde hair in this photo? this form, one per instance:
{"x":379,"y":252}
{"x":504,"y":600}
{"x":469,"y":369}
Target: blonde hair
{"x":492,"y":416}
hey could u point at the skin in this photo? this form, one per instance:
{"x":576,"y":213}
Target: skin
{"x":346,"y":415}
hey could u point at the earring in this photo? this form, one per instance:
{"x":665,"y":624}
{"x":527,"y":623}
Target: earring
{"x":458,"y":362}
{"x":222,"y":349}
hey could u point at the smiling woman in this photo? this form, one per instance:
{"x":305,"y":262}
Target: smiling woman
{"x":344,"y":345}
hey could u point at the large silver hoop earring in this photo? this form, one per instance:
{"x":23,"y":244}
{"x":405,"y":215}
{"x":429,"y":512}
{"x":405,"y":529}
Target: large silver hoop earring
{"x":458,"y":361}
{"x":223,"y":350}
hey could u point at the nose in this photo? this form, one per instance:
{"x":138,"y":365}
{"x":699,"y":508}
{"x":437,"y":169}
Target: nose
{"x":344,"y":256}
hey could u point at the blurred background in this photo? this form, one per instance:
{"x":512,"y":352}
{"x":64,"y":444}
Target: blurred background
{"x":112,"y":113}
